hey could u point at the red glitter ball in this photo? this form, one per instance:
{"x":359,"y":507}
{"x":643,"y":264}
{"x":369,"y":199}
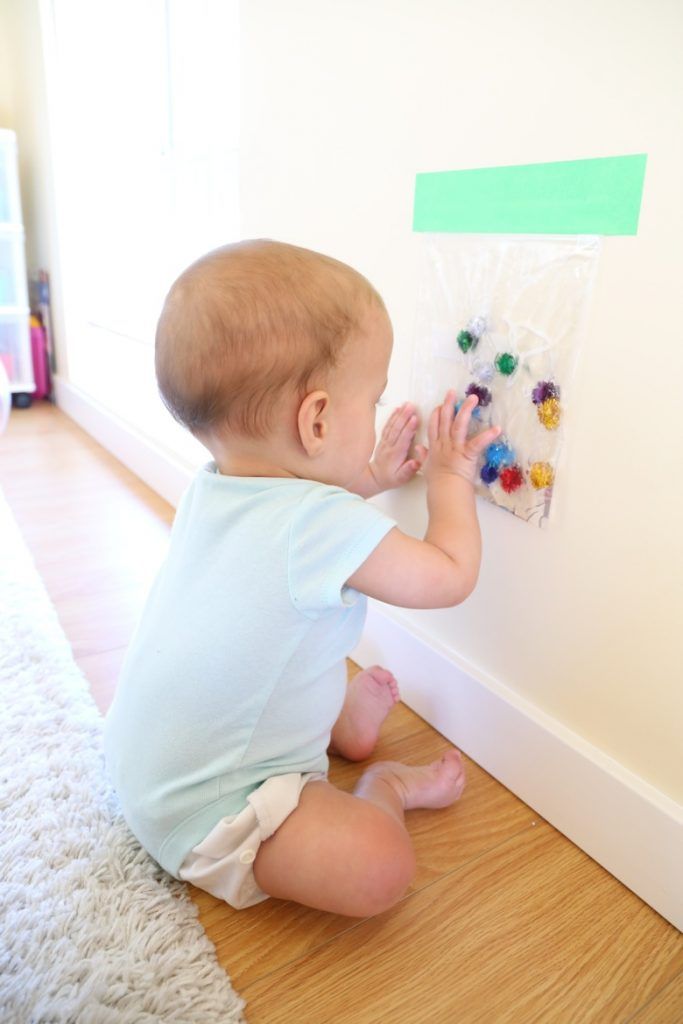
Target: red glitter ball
{"x":511,"y":479}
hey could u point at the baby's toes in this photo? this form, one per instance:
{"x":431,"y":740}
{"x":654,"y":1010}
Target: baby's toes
{"x":452,"y":763}
{"x":453,"y":769}
{"x":381,"y":675}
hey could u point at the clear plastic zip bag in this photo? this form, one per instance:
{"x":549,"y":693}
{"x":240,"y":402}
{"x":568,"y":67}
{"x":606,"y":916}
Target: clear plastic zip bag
{"x":502,"y":317}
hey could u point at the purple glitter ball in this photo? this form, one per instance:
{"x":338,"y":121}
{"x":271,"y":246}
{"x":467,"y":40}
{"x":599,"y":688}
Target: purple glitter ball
{"x":482,"y":393}
{"x":489,"y":473}
{"x":544,"y":389}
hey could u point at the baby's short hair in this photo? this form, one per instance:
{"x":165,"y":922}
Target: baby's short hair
{"x":249,"y":321}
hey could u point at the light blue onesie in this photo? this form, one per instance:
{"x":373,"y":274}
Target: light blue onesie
{"x":236,"y":670}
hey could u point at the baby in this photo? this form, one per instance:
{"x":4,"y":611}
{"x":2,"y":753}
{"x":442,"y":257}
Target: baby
{"x":234,"y":686}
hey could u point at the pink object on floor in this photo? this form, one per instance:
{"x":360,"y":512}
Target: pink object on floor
{"x":41,"y":369}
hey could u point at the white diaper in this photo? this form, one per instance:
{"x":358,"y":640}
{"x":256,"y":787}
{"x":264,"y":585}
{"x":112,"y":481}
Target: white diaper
{"x":222,"y":863}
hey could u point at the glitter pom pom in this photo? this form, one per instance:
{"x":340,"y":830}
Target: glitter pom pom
{"x":541,"y":475}
{"x":506,"y":363}
{"x":476,"y":412}
{"x":466,"y":341}
{"x":489,"y":473}
{"x":511,"y":479}
{"x":499,"y":455}
{"x":482,"y":393}
{"x":544,"y":390}
{"x":549,"y":413}
{"x":483,"y":371}
{"x":477,"y":326}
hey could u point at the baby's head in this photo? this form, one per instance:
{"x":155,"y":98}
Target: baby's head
{"x":252,"y":330}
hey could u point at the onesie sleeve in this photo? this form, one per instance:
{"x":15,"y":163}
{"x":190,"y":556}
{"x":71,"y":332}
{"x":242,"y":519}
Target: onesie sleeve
{"x":332,"y":534}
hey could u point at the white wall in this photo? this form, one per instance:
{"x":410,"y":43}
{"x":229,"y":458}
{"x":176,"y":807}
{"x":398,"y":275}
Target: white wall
{"x":343,"y":102}
{"x":6,"y":72}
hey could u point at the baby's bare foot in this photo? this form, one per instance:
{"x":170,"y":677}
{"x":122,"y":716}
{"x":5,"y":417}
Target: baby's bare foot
{"x":369,"y":698}
{"x":438,"y":784}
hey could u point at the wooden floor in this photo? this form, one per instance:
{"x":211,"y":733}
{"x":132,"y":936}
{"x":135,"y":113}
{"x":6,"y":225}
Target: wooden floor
{"x":506,"y":921}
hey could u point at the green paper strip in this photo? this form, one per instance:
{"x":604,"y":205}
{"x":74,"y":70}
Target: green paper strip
{"x":572,"y":197}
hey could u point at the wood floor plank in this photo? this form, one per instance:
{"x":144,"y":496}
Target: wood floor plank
{"x":108,"y":624}
{"x":534,"y":931}
{"x":68,"y":578}
{"x":664,"y":1008}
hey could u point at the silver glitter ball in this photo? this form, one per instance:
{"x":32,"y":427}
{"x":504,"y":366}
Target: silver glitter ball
{"x":485,"y":372}
{"x":477,"y":326}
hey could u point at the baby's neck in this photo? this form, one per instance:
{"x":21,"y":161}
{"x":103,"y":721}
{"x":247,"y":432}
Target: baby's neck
{"x":249,"y":458}
{"x":232,"y":467}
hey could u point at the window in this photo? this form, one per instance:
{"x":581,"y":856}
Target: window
{"x":145,"y":115}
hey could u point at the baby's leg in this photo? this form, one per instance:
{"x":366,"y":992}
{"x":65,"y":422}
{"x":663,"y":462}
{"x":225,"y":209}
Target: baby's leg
{"x":370,"y":696}
{"x":352,"y":854}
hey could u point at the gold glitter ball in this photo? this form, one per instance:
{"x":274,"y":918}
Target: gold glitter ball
{"x":541,"y":475}
{"x":549,"y":413}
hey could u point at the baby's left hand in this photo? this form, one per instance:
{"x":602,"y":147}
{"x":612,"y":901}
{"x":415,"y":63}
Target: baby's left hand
{"x":390,"y":464}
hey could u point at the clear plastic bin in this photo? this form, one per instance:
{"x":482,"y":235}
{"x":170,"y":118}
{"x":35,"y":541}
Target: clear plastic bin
{"x":13,"y":283}
{"x":10,"y":206}
{"x":15,"y":351}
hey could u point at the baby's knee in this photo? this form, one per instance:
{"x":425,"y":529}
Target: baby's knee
{"x":387,"y":877}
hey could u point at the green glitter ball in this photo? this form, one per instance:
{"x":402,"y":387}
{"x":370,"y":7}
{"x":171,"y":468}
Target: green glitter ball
{"x":506,"y":363}
{"x":466,"y":341}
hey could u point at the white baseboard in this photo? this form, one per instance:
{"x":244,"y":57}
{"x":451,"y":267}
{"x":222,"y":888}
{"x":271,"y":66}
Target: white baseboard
{"x":156,"y":467}
{"x":618,"y":819}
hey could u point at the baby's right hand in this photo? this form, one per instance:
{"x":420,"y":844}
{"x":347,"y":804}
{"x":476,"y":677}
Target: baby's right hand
{"x":450,"y":450}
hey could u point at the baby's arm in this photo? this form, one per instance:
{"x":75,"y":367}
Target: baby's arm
{"x":390,"y":465}
{"x":442,"y":569}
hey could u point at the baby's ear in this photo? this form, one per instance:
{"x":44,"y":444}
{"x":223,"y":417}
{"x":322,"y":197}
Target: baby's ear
{"x":312,"y":422}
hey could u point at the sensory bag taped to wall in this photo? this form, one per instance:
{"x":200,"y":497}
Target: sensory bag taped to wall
{"x":501,"y":318}
{"x":509,"y":259}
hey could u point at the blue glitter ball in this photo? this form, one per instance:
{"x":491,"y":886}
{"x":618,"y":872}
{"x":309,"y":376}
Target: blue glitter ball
{"x":499,"y":455}
{"x":489,"y":473}
{"x":476,"y":414}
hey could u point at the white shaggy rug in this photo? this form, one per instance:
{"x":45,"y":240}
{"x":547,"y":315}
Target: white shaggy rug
{"x":92,"y":931}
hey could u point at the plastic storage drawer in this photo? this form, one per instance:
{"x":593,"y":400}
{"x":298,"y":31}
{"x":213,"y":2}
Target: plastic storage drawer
{"x":10,"y":207}
{"x":15,"y":350}
{"x":13,"y":284}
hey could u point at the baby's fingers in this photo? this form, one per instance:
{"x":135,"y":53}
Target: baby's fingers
{"x":461,"y":422}
{"x":403,"y":419}
{"x":447,"y":413}
{"x":420,"y":454}
{"x":477,"y":444}
{"x":405,"y":429}
{"x":433,"y":428}
{"x":389,"y":431}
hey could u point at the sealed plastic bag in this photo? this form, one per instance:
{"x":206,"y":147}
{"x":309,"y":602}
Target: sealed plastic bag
{"x":501,"y":317}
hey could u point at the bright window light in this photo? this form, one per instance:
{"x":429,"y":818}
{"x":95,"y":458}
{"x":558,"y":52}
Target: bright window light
{"x":145,"y":114}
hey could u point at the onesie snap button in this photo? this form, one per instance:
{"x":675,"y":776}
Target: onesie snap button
{"x":247,"y":856}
